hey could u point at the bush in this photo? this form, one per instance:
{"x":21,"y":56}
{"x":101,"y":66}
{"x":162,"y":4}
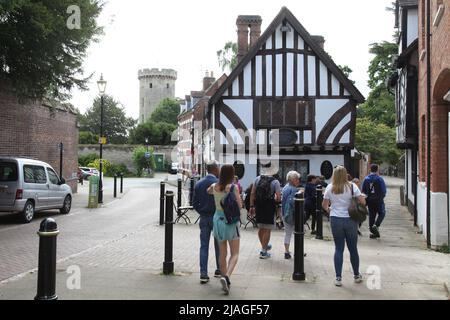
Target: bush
{"x":96,"y":164}
{"x":87,"y":137}
{"x":141,"y":162}
{"x":117,"y":169}
{"x":85,"y":160}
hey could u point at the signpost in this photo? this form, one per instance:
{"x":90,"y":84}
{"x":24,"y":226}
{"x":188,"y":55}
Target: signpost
{"x":93,"y":191}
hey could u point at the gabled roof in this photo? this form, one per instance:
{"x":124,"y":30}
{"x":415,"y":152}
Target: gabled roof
{"x":323,"y":56}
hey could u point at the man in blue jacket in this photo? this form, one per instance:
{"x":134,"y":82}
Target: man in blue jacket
{"x":375,"y":190}
{"x":204,"y":204}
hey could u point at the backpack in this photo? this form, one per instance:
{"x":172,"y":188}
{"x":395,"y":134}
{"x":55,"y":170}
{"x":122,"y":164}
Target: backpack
{"x":374,"y":194}
{"x":263,"y":190}
{"x":247,"y":194}
{"x":231,"y":207}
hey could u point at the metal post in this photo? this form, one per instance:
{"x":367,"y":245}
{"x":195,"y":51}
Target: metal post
{"x":319,"y":215}
{"x":121,"y":182}
{"x":179,"y":195}
{"x":48,"y":231}
{"x":191,"y":191}
{"x":100,"y":184}
{"x":299,"y":234}
{"x":168,"y":266}
{"x":161,"y":203}
{"x":61,"y":149}
{"x":115,"y":185}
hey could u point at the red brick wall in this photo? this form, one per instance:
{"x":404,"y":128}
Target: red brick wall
{"x":440,"y":63}
{"x":35,"y":131}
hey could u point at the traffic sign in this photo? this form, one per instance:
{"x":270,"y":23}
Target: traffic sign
{"x":102,"y":140}
{"x":147,"y":155}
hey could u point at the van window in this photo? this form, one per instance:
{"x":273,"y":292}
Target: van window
{"x":34,"y":174}
{"x":52,"y":176}
{"x":8,"y":171}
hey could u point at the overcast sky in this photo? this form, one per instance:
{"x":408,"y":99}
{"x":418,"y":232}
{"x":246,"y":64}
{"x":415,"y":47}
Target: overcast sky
{"x":185,"y":36}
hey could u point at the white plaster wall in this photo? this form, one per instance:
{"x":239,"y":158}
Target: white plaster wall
{"x":290,"y":74}
{"x":334,"y":86}
{"x":438,"y":219}
{"x":269,"y":43}
{"x":235,"y":88}
{"x":301,"y":43}
{"x":413,"y":26}
{"x":345,"y":137}
{"x":411,"y":179}
{"x":290,"y":37}
{"x":312,"y":75}
{"x":323,"y":79}
{"x":300,"y":79}
{"x":279,"y":75}
{"x":278,"y":38}
{"x":258,"y":75}
{"x":243,"y":109}
{"x":340,"y":125}
{"x":307,"y":137}
{"x":248,"y":79}
{"x":268,"y":75}
{"x":422,"y":207}
{"x":325,"y":108}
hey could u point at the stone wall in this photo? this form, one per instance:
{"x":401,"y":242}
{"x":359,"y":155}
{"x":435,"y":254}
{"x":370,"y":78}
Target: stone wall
{"x":35,"y":130}
{"x":118,"y":154}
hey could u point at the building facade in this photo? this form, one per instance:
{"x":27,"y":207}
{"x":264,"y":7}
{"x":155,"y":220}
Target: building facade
{"x":284,"y":82}
{"x":154,"y":86}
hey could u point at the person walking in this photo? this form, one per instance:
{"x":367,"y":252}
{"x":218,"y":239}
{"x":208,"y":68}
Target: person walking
{"x":265,"y":195}
{"x":204,"y":204}
{"x":288,"y":208}
{"x":226,"y":234}
{"x":375,"y":190}
{"x":357,"y":182}
{"x":337,"y":199}
{"x":310,"y":201}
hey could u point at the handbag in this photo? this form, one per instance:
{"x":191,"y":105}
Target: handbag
{"x":356,"y":210}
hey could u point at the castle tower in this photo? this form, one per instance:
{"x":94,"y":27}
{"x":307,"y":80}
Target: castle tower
{"x":154,"y":86}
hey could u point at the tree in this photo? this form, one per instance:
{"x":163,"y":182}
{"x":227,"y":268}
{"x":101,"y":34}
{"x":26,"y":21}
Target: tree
{"x":141,"y":162}
{"x":167,"y":111}
{"x":116,"y":124}
{"x":157,"y":133}
{"x":228,"y":56}
{"x":86,"y":137}
{"x":347,"y":71}
{"x":42,"y":47}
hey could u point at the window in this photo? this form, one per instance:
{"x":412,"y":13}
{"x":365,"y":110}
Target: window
{"x":288,"y":113}
{"x":52,"y":176}
{"x":8,"y":171}
{"x":168,"y":86}
{"x":151,"y":85}
{"x":301,"y":166}
{"x":34,"y":174}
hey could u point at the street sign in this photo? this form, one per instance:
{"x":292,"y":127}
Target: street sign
{"x":93,"y":191}
{"x":147,"y":155}
{"x":102,"y":140}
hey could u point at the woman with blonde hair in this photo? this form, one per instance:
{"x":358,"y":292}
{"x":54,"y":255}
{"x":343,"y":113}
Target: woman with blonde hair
{"x":337,"y":199}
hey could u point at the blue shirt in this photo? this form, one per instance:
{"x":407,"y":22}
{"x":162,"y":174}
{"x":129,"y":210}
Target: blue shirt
{"x":203,"y":202}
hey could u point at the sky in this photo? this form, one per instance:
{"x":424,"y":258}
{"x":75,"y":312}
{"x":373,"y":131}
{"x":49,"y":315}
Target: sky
{"x":185,"y":36}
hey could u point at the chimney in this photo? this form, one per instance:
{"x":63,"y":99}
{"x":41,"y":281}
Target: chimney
{"x":244,"y":23}
{"x":208,"y":80}
{"x":319,"y":40}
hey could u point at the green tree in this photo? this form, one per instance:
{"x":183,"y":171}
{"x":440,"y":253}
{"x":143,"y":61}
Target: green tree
{"x":141,"y":162}
{"x":157,"y":133}
{"x":39,"y":54}
{"x":347,"y":71}
{"x":167,"y":111}
{"x":86,"y":137}
{"x":228,"y":56}
{"x":86,"y":159}
{"x":116,"y":124}
{"x":381,"y":66}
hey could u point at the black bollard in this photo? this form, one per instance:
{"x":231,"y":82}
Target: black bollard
{"x":161,"y":203}
{"x":179,"y":195}
{"x":121,"y":182}
{"x":299,"y":234}
{"x":115,"y":185}
{"x":48,"y":231}
{"x":319,"y":215}
{"x":168,"y":243}
{"x":191,"y":191}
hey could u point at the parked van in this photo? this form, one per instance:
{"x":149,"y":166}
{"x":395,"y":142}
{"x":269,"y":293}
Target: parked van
{"x":28,"y":186}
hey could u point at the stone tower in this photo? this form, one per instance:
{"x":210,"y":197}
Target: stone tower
{"x":154,"y":86}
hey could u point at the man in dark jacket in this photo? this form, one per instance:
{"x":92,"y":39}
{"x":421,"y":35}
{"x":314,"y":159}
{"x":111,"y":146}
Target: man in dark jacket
{"x":310,"y":201}
{"x":204,"y":204}
{"x":375,"y":190}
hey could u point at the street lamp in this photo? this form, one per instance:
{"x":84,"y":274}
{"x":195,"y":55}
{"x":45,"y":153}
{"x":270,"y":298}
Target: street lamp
{"x":101,"y":88}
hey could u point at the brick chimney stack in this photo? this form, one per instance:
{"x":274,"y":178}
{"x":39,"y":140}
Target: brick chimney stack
{"x":319,"y":40}
{"x":208,"y":80}
{"x":244,"y":23}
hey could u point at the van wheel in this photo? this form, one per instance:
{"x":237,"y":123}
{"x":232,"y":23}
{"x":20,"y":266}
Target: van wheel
{"x":67,"y":205}
{"x":28,"y":212}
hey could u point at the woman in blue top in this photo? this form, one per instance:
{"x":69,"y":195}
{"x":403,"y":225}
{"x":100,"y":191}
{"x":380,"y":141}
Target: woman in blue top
{"x":287,"y":205}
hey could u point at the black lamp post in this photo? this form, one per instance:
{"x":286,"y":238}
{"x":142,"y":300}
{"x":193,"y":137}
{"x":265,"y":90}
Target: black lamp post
{"x":101,"y":88}
{"x":147,"y":158}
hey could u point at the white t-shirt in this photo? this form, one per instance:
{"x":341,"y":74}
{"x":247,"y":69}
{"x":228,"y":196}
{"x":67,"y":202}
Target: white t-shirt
{"x":340,"y":202}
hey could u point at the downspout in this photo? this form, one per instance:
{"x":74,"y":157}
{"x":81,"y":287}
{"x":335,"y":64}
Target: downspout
{"x":428,"y":16}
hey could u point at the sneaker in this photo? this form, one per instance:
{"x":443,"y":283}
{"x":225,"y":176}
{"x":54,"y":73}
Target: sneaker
{"x":372,"y":236}
{"x":313,"y":232}
{"x":358,"y":278}
{"x":269,"y":247}
{"x":225,"y":285}
{"x":264,"y":255}
{"x":287,"y":255}
{"x":204,"y":279}
{"x":338,"y":282}
{"x":217,"y":274}
{"x":376,"y":232}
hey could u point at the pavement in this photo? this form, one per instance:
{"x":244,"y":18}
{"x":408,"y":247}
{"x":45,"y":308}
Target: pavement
{"x":116,"y":253}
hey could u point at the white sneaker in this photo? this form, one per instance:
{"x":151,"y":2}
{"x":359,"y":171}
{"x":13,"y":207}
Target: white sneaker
{"x":358,"y":278}
{"x":338,"y":282}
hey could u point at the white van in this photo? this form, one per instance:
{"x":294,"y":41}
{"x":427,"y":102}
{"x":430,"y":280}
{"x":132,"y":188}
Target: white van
{"x":28,"y":186}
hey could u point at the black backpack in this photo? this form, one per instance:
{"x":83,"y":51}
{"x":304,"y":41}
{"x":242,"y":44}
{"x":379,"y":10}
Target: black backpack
{"x":264,"y":191}
{"x":374,"y":195}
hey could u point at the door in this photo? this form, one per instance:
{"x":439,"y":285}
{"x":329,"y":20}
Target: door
{"x":9,"y":181}
{"x":55,"y":191}
{"x":35,"y":185}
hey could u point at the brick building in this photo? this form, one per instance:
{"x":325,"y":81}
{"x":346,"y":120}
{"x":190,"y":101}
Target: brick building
{"x":423,"y":101}
{"x":35,"y":130}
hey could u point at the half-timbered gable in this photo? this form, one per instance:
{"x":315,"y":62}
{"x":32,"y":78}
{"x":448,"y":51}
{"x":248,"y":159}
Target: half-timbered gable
{"x":287,"y":81}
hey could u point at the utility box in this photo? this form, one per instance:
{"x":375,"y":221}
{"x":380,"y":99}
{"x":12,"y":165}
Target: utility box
{"x":93,"y":191}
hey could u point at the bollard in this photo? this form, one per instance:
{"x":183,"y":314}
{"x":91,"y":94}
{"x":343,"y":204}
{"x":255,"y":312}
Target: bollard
{"x":161,"y":203}
{"x":115,"y":185}
{"x":299,"y":234}
{"x":191,"y":191}
{"x":48,"y":231}
{"x":121,"y":182}
{"x":319,"y":215}
{"x":168,"y":243}
{"x":179,"y":195}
